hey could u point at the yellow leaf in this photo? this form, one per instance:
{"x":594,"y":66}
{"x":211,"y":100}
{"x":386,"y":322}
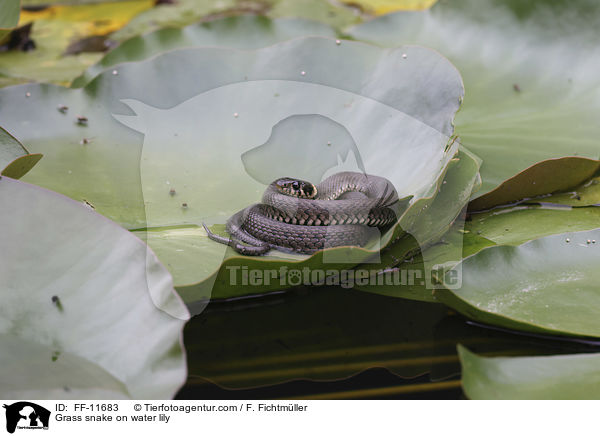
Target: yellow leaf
{"x":380,"y":7}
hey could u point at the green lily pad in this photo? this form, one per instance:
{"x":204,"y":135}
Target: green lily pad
{"x":330,"y":13}
{"x":529,"y":93}
{"x":514,"y":225}
{"x":9,"y":13}
{"x":186,"y":12}
{"x":15,"y":160}
{"x":563,"y":377}
{"x":586,"y":194}
{"x":395,"y":275}
{"x":242,"y":32}
{"x":533,"y":218}
{"x":78,"y":327}
{"x":210,"y":145}
{"x":542,"y":178}
{"x":546,"y":285}
{"x":54,"y":29}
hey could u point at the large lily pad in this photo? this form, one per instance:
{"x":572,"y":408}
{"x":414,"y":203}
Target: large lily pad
{"x":9,"y":13}
{"x":545,"y":285}
{"x":185,"y":12}
{"x":79,"y":296}
{"x":571,"y":211}
{"x":197,"y":133}
{"x":243,"y":32}
{"x":55,"y":28}
{"x":564,"y":377}
{"x":410,"y":278}
{"x":530,"y":94}
{"x":15,"y":160}
{"x":380,"y":7}
{"x":540,"y":179}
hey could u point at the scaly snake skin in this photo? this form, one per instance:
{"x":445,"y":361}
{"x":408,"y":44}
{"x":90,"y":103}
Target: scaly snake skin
{"x":344,"y":211}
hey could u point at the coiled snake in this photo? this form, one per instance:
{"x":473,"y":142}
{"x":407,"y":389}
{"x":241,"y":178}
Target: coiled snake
{"x":298,"y":216}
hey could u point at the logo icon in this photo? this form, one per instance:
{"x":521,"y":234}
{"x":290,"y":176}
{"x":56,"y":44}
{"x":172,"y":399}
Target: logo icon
{"x":26,"y":415}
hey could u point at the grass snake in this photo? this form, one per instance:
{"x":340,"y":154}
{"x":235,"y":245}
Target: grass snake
{"x":298,"y":216}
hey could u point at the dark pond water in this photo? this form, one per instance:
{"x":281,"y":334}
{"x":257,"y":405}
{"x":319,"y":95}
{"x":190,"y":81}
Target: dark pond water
{"x":334,"y":343}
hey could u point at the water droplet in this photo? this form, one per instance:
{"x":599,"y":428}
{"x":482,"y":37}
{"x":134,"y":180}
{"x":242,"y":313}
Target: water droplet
{"x":593,"y":241}
{"x":404,"y":55}
{"x":184,"y":205}
{"x":115,"y":72}
{"x":235,"y":115}
{"x":568,"y":240}
{"x":589,"y":241}
{"x":28,"y":94}
{"x":303,"y":73}
{"x":338,"y":42}
{"x":328,"y":142}
{"x":172,"y":192}
{"x":62,"y":108}
{"x":82,"y":121}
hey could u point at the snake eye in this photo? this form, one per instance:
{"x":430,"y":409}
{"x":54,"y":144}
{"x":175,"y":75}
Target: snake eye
{"x":295,"y":185}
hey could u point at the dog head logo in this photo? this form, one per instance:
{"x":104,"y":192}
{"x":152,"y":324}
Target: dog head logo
{"x":217,"y":151}
{"x":26,"y":415}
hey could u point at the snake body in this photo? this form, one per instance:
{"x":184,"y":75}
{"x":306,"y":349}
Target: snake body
{"x":298,"y":216}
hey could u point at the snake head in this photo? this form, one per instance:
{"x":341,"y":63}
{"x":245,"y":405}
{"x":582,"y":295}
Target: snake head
{"x":295,"y":187}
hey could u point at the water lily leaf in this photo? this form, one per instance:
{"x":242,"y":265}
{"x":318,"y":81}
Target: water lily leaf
{"x":545,"y":285}
{"x":546,"y":215}
{"x":514,"y":225}
{"x":380,"y":7}
{"x":586,"y":194}
{"x":185,"y":12}
{"x":78,"y":327}
{"x":399,"y":277}
{"x":529,"y":93}
{"x":209,"y":145}
{"x":15,"y":160}
{"x":179,"y":14}
{"x":542,"y":178}
{"x":243,"y":32}
{"x":54,"y":28}
{"x":9,"y":13}
{"x":564,"y":377}
{"x":332,"y":14}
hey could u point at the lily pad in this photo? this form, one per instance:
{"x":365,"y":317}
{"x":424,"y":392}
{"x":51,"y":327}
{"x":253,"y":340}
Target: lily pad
{"x":546,"y":177}
{"x":380,"y":7}
{"x":56,"y":27}
{"x":9,"y":13}
{"x":242,"y":32}
{"x":563,"y":377}
{"x":514,"y":225}
{"x":401,"y":277}
{"x":185,"y":12}
{"x":188,"y":168}
{"x":330,"y":13}
{"x":546,"y":285}
{"x":527,"y":73}
{"x":78,"y":327}
{"x":15,"y":160}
